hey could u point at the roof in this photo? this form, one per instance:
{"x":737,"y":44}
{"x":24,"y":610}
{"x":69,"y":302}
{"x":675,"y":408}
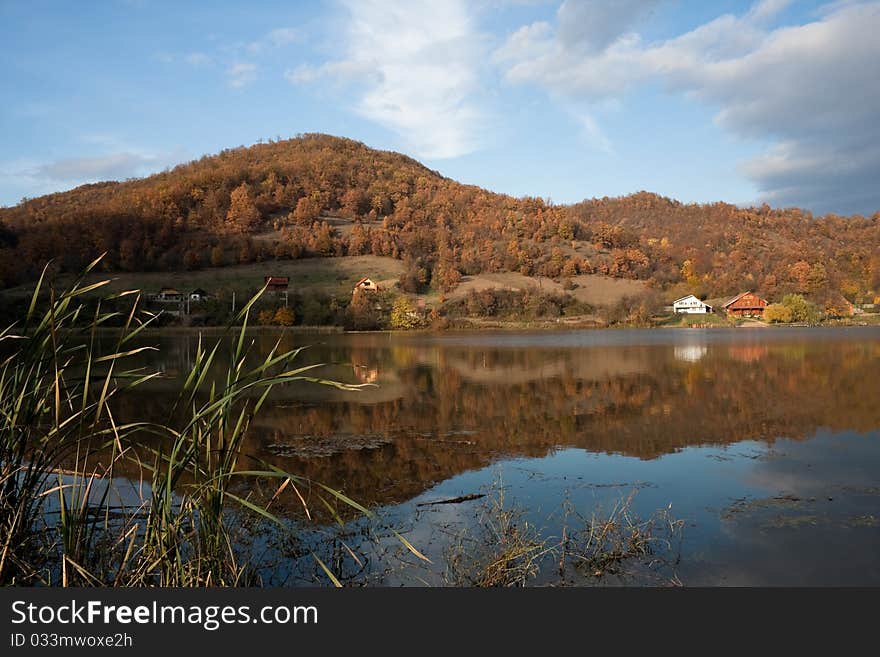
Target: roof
{"x":363,"y":280}
{"x":688,"y":297}
{"x":169,"y":290}
{"x":699,"y":300}
{"x":276,"y":279}
{"x":738,"y":297}
{"x":200,"y":292}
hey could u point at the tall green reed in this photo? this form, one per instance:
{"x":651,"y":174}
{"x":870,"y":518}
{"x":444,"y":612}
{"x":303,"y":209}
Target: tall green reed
{"x":57,"y":387}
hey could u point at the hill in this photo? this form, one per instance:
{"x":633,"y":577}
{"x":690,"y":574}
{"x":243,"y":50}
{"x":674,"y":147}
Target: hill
{"x":318,"y":196}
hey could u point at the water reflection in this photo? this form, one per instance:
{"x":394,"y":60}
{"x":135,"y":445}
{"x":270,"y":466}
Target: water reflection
{"x":443,"y":405}
{"x":690,"y":353}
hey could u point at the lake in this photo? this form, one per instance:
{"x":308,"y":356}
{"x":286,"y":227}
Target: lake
{"x":746,"y":456}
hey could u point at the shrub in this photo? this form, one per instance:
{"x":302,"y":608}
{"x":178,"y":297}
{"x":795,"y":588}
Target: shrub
{"x":284,"y":316}
{"x":777,"y":313}
{"x":403,"y":315}
{"x":266,"y":317}
{"x":801,"y":309}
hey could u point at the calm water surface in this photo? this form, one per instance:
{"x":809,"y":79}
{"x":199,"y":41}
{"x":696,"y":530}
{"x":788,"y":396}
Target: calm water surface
{"x":766,"y":442}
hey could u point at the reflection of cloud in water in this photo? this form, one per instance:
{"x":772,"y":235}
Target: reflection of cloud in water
{"x":797,"y":527}
{"x":825,"y":462}
{"x":690,"y":353}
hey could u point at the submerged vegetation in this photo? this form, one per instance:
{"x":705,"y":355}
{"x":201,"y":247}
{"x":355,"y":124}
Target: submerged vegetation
{"x":506,"y":549}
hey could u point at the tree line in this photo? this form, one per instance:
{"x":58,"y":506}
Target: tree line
{"x":323,"y":196}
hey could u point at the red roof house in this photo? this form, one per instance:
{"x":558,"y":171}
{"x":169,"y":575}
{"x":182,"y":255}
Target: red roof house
{"x":276,"y":283}
{"x":747,"y":304}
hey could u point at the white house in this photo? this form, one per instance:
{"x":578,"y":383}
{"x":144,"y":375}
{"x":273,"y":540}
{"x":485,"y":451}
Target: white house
{"x":199,"y":295}
{"x":690,"y":305}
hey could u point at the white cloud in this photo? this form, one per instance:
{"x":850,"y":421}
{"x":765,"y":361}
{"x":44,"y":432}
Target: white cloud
{"x":241,"y":74}
{"x":115,"y":160}
{"x":593,"y":133}
{"x":592,"y":25}
{"x":283,"y":36}
{"x":277,"y":38}
{"x":416,"y":66}
{"x":197,"y":59}
{"x":113,"y":166}
{"x":810,"y":88}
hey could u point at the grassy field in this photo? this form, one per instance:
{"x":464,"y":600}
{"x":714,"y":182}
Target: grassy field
{"x":593,"y":289}
{"x":331,"y":275}
{"x":338,"y":276}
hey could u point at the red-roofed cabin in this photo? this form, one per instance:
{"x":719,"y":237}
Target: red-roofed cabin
{"x":747,"y":304}
{"x":276,"y":283}
{"x":365,"y":285}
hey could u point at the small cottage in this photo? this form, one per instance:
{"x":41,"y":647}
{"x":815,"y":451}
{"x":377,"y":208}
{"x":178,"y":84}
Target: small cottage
{"x":690,"y":305}
{"x":365,"y":285}
{"x":276,"y":283}
{"x":169,"y":295}
{"x":747,"y":304}
{"x":199,"y":295}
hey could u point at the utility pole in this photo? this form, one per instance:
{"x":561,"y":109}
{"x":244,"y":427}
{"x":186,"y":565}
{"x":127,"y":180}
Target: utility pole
{"x":233,"y":302}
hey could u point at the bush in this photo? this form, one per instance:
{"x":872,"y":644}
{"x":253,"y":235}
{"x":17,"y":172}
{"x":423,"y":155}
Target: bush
{"x":777,"y":313}
{"x":801,"y":309}
{"x":403,"y":315}
{"x":362,"y":314}
{"x":284,"y":316}
{"x":516,"y":304}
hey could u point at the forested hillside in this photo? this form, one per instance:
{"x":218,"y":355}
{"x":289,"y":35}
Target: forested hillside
{"x":323,"y":196}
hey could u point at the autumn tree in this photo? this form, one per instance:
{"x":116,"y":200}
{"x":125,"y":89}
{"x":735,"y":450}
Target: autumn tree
{"x":403,"y":315}
{"x":361,"y":315}
{"x":414,"y":277}
{"x":777,"y":313}
{"x":191,"y":259}
{"x":801,"y":309}
{"x":322,"y":239}
{"x":358,"y":240}
{"x":243,"y":215}
{"x":689,"y":273}
{"x":218,"y":256}
{"x":307,"y":211}
{"x":800,"y":276}
{"x":284,"y":316}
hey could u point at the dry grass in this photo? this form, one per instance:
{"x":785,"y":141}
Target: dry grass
{"x":505,"y":549}
{"x":326,"y":275}
{"x":593,"y":289}
{"x":623,"y":544}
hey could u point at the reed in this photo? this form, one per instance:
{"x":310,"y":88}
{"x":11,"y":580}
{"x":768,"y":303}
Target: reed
{"x":60,"y":519}
{"x":501,"y":548}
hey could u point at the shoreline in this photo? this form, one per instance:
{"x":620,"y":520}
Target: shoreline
{"x":537,"y":327}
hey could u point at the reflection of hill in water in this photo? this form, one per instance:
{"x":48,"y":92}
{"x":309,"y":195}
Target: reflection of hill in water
{"x":440,"y":410}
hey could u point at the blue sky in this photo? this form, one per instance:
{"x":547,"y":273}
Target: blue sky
{"x":770,"y":100}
